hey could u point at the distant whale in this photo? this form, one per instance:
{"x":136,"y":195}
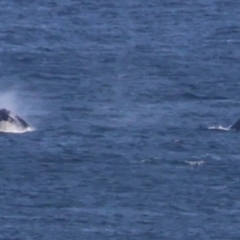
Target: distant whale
{"x":11,"y":123}
{"x":235,"y":127}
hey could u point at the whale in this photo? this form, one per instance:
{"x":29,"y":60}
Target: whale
{"x":10,"y":122}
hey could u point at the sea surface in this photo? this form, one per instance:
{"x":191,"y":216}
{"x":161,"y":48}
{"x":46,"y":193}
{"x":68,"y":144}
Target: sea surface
{"x":120,"y":93}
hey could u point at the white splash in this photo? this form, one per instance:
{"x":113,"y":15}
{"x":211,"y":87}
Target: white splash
{"x":8,"y":127}
{"x":195,"y":163}
{"x":23,"y":103}
{"x":219,"y":128}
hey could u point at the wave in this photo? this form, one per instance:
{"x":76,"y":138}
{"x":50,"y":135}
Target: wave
{"x":190,"y":95}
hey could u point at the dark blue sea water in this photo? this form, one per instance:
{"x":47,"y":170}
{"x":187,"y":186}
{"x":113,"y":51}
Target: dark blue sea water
{"x":118,"y":92}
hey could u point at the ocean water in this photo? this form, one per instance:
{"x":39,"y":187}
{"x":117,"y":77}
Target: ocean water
{"x":120,"y":94}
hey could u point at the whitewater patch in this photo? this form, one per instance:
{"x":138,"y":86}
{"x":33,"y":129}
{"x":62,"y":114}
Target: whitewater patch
{"x":7,"y":127}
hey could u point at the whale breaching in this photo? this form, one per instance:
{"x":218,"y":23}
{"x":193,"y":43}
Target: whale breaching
{"x":10,"y":122}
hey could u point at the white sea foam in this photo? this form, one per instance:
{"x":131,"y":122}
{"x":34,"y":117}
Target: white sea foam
{"x":219,"y":128}
{"x":8,"y":127}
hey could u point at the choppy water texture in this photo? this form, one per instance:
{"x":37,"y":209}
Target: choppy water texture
{"x":118,"y":92}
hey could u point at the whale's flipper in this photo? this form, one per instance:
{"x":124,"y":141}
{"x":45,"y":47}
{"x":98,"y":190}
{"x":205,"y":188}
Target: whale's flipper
{"x":236,"y":125}
{"x":24,"y":124}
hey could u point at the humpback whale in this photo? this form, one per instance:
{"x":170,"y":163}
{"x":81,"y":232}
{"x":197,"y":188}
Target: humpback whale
{"x":11,"y":123}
